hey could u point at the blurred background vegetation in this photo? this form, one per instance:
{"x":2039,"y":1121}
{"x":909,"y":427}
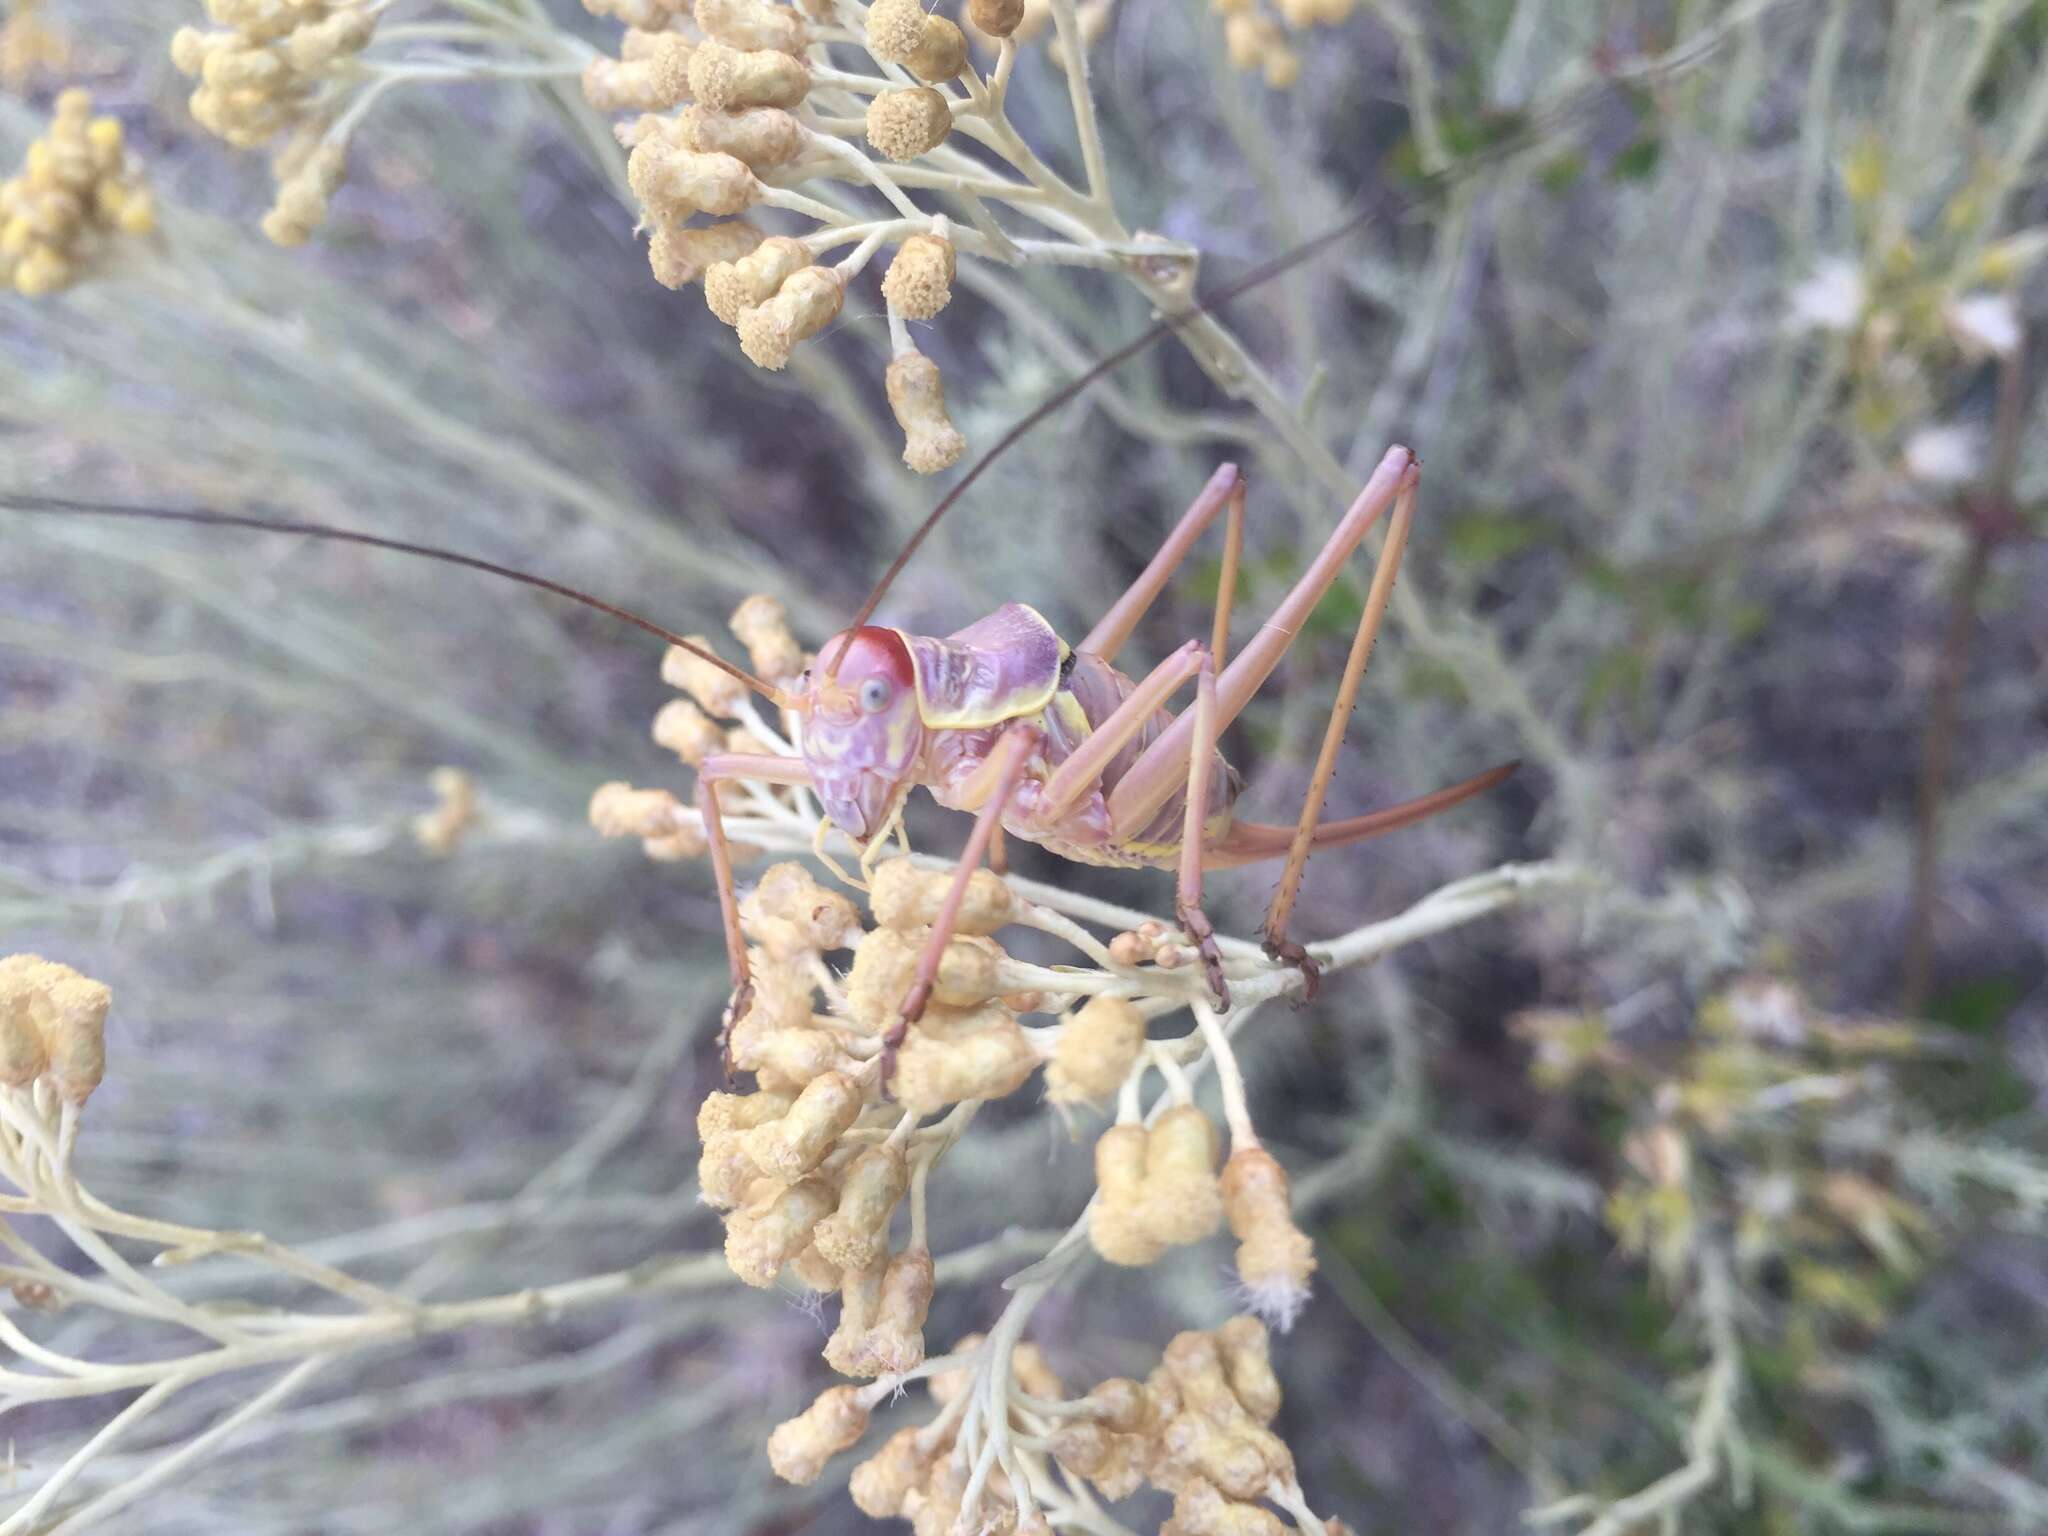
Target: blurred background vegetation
{"x":1713,"y":326}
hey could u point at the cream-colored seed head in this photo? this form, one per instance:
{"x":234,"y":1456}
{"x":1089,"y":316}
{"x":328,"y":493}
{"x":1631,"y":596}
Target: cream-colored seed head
{"x":996,"y":18}
{"x":894,"y":29}
{"x":731,"y":286}
{"x":804,"y":305}
{"x":687,"y":731}
{"x":905,"y":124}
{"x":1274,"y":1257}
{"x":762,"y":1238}
{"x":988,"y":1063}
{"x":917,"y":397}
{"x":718,"y":692}
{"x":739,"y":1111}
{"x":728,"y":78}
{"x":752,"y":24}
{"x":941,"y":51}
{"x":646,"y":15}
{"x":1098,"y":1045}
{"x":800,"y":1447}
{"x":791,"y":1147}
{"x":762,"y":625}
{"x":857,"y":1234}
{"x":904,"y":897}
{"x":319,"y":45}
{"x":919,"y":282}
{"x":441,"y":830}
{"x":880,"y":1484}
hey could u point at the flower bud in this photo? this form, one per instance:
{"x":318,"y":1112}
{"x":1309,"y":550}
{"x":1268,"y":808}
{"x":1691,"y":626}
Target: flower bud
{"x":804,"y":305}
{"x":791,"y":1147}
{"x":984,"y":1063}
{"x":918,"y":399}
{"x":788,"y":1056}
{"x":857,"y":1234}
{"x":717,"y":691}
{"x":919,"y":282}
{"x":674,"y":183}
{"x":739,"y":1111}
{"x":760,"y":1239}
{"x":1115,"y":1221}
{"x":731,"y":286}
{"x":997,"y":18}
{"x":896,"y":1342}
{"x":620,"y":810}
{"x":680,"y":255}
{"x":1183,"y":1202}
{"x":724,"y":1171}
{"x":860,"y":1297}
{"x":941,"y":51}
{"x":1246,"y":1348}
{"x":1200,"y":1510}
{"x":800,"y":1447}
{"x":790,"y":915}
{"x":885,"y":966}
{"x":904,"y":897}
{"x":880,"y":1484}
{"x":812,"y":1271}
{"x":1097,"y":1046}
{"x":752,"y":24}
{"x":761,"y":136}
{"x":905,"y":124}
{"x":687,"y":731}
{"x":1274,"y":1257}
{"x":761,"y":624}
{"x":319,"y":45}
{"x":726,"y":78}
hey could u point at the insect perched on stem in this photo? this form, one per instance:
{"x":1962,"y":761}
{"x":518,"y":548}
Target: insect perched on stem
{"x":1039,"y":739}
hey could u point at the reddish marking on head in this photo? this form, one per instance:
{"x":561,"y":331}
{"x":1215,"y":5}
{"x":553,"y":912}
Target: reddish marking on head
{"x":873,"y":652}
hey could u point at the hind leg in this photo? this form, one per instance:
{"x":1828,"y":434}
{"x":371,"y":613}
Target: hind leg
{"x":1278,"y":945}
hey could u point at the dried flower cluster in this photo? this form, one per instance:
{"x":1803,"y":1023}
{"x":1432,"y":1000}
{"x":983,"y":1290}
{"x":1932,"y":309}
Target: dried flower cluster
{"x":1267,"y":38}
{"x":739,"y":103}
{"x":442,"y":829}
{"x":77,"y":189}
{"x":813,"y":1162}
{"x":1197,"y":1429}
{"x":274,"y":69}
{"x":29,"y":45}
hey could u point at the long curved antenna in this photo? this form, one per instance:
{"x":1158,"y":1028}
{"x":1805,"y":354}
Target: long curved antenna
{"x":210,"y":519}
{"x":1263,"y":273}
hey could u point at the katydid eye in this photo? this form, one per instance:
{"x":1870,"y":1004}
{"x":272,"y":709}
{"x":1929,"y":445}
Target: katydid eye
{"x":875,"y":694}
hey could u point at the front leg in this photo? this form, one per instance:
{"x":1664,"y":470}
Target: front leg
{"x":996,"y":780}
{"x":724,"y":766}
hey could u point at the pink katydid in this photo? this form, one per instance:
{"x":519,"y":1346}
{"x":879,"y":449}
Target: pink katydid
{"x":1039,"y":739}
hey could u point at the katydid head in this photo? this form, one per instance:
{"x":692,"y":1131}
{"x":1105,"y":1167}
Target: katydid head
{"x":863,"y":732}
